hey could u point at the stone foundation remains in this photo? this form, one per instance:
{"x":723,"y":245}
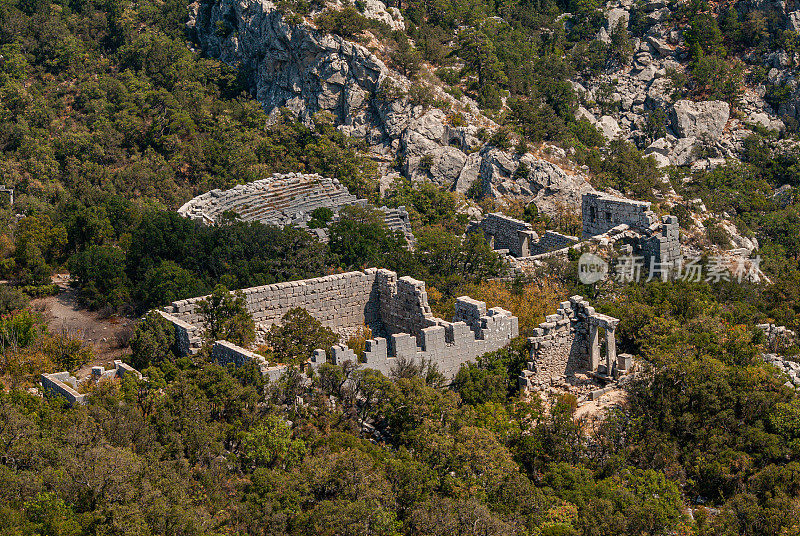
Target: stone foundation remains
{"x":66,"y":385}
{"x":6,"y":196}
{"x":569,"y":342}
{"x":286,"y":200}
{"x":395,"y":308}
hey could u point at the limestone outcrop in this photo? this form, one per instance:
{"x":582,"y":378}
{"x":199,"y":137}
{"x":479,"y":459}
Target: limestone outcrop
{"x":638,"y":95}
{"x":699,"y":119}
{"x":297,"y":67}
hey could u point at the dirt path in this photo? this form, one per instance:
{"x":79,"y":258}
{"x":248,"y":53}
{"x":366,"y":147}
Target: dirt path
{"x":64,"y":315}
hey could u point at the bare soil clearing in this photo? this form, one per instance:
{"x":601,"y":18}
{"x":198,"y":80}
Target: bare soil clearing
{"x":106,"y":335}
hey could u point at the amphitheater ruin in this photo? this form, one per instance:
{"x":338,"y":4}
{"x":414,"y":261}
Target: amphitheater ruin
{"x":285,"y":200}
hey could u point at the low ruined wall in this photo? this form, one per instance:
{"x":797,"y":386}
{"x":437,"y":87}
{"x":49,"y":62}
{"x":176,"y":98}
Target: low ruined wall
{"x":552,"y":241}
{"x":56,"y":384}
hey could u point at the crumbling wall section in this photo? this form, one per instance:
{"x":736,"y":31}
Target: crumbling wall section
{"x":505,"y":232}
{"x":448,"y":345}
{"x":552,"y":241}
{"x":601,"y":212}
{"x":188,"y":337}
{"x":403,"y":304}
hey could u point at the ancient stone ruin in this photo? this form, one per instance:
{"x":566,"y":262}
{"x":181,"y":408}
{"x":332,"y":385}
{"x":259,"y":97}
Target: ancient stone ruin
{"x":517,"y":238}
{"x":6,"y":196}
{"x":67,"y":386}
{"x":574,"y":339}
{"x":286,"y":200}
{"x":634,"y":224}
{"x":395,"y":309}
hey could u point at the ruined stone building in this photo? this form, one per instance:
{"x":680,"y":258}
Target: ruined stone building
{"x":396,"y":310}
{"x":574,"y":339}
{"x":286,"y":200}
{"x":6,"y":196}
{"x":67,"y":386}
{"x":634,"y":224}
{"x":517,"y":238}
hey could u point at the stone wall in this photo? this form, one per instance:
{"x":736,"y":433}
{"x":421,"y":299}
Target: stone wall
{"x":568,"y":342}
{"x":341,"y":301}
{"x":396,"y":307}
{"x":188,"y":337}
{"x":663,"y":243}
{"x":63,"y":384}
{"x":602,"y":212}
{"x":6,"y":196}
{"x":504,"y":232}
{"x":552,"y":241}
{"x":448,"y":345}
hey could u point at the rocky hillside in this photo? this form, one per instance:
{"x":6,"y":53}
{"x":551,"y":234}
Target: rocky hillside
{"x":649,"y":76}
{"x":296,"y":67}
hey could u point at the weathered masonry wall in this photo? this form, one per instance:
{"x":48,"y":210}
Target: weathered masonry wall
{"x":448,"y":345}
{"x":397,"y":307}
{"x":65,"y":385}
{"x":552,"y":241}
{"x":341,"y":301}
{"x":663,"y":245}
{"x":504,"y":232}
{"x":569,"y":342}
{"x":6,"y":196}
{"x":602,"y":212}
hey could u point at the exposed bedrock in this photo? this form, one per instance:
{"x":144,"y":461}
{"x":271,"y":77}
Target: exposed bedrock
{"x":299,"y":68}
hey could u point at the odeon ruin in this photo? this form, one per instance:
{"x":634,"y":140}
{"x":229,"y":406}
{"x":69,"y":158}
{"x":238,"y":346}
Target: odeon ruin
{"x":396,"y":309}
{"x":286,"y":199}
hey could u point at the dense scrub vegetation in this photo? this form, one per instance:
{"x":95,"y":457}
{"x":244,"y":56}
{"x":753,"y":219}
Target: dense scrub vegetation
{"x":107,"y":119}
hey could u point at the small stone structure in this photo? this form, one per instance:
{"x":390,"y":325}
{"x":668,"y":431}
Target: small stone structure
{"x":286,"y":200}
{"x":654,"y":239}
{"x":517,"y":238}
{"x":569,"y":341}
{"x":66,"y":385}
{"x":6,"y":196}
{"x":395,"y":308}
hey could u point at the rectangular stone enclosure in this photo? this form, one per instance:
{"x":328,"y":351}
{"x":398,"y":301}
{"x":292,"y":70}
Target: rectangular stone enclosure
{"x":394,"y":308}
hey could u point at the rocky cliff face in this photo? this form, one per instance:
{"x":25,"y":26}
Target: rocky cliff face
{"x":619,"y":103}
{"x":299,"y":68}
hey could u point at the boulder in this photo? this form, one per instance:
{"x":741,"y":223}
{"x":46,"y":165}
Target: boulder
{"x":608,"y":126}
{"x":699,"y":119}
{"x":682,"y":152}
{"x":616,"y":16}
